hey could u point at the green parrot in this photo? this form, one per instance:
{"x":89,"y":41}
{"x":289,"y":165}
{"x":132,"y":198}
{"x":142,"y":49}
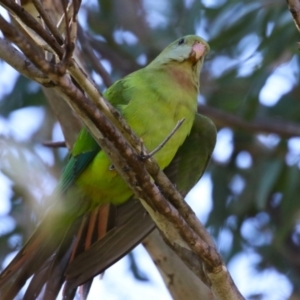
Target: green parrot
{"x":185,"y":171}
{"x":93,"y":209}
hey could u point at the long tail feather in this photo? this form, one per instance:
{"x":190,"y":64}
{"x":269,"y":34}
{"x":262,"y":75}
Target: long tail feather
{"x":48,"y":254}
{"x":37,"y":283}
{"x":41,"y":256}
{"x":94,"y":229}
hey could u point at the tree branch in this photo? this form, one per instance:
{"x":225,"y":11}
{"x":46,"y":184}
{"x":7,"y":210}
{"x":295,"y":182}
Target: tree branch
{"x":294,"y":7}
{"x":21,"y":63}
{"x":168,"y":265}
{"x":284,"y":129}
{"x":27,"y":19}
{"x":48,"y":21}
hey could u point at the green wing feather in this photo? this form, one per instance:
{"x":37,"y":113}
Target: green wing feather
{"x":193,"y":156}
{"x":85,"y":147}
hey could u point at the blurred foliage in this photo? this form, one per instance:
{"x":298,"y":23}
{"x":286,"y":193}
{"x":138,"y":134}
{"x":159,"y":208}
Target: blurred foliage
{"x":250,"y":40}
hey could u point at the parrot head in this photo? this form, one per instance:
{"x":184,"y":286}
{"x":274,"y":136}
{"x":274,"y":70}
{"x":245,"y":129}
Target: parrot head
{"x":187,"y":48}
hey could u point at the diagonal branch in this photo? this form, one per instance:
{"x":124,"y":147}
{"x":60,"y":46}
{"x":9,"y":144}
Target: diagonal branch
{"x":294,"y":7}
{"x":48,"y":21}
{"x":31,"y":22}
{"x":21,"y":63}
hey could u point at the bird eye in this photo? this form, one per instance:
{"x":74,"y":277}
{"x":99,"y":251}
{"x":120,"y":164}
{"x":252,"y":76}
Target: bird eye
{"x":181,"y":41}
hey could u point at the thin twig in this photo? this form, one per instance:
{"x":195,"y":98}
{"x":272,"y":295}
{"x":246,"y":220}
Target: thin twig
{"x":68,"y":45}
{"x":48,"y":21}
{"x":76,"y":7}
{"x":62,"y":24}
{"x":161,"y":145}
{"x":51,"y":144}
